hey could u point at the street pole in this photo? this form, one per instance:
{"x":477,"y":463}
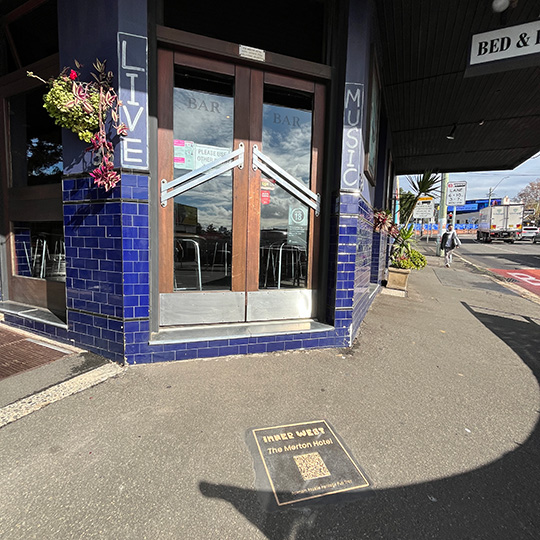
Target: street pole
{"x":442,"y":212}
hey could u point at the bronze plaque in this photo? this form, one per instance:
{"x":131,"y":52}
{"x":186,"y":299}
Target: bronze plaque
{"x":306,"y":461}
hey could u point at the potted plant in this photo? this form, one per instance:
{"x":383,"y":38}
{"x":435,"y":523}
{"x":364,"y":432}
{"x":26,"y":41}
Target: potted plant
{"x":83,"y":107}
{"x":403,"y":259}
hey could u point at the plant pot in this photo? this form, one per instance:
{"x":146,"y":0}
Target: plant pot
{"x":397,"y":278}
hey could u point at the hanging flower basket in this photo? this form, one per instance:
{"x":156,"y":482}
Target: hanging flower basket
{"x":83,"y":108}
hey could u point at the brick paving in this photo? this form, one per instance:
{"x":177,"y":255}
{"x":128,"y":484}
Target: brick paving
{"x":19,"y":353}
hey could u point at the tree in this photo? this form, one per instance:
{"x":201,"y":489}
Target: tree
{"x":530,"y":196}
{"x":427,"y":184}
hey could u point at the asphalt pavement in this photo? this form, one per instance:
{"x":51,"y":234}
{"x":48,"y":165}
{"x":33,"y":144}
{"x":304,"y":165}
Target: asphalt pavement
{"x":438,"y":402}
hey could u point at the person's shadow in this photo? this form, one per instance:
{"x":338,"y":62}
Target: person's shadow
{"x":498,"y":501}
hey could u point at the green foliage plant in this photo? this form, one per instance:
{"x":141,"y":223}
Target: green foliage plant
{"x":403,"y":255}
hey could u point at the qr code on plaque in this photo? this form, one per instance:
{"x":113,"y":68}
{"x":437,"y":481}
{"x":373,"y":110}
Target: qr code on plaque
{"x":311,"y":466}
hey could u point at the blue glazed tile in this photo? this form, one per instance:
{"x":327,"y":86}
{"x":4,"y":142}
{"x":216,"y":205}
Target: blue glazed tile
{"x":207,"y":353}
{"x":227,"y":351}
{"x":168,"y":356}
{"x":296,"y":344}
{"x":140,"y":243}
{"x":241,"y":341}
{"x":113,"y":208}
{"x":131,"y":255}
{"x":140,"y":193}
{"x":90,"y":242}
{"x":128,"y":180}
{"x":140,"y":267}
{"x":265,"y":339}
{"x":140,"y":221}
{"x":141,"y":289}
{"x":113,"y":231}
{"x":132,"y":348}
{"x":186,"y":355}
{"x":257,"y":348}
{"x":198,"y":345}
{"x":147,"y":348}
{"x":129,"y":208}
{"x":142,"y":311}
{"x":131,"y":278}
{"x":275,"y":346}
{"x":116,"y":347}
{"x":311,"y":343}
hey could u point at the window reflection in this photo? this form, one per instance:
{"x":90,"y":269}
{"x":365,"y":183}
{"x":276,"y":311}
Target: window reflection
{"x":36,"y":142}
{"x":286,"y":140}
{"x":40,"y":250}
{"x":203,"y":132}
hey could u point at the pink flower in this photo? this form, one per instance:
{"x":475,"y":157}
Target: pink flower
{"x":73,"y":75}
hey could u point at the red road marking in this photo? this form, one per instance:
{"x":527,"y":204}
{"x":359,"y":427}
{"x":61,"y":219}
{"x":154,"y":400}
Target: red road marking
{"x":528,"y":278}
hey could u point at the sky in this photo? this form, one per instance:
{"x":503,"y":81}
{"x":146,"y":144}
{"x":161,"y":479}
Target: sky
{"x":506,"y":183}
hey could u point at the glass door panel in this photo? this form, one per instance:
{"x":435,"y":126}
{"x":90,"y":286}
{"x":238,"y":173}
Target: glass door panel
{"x":202,"y":133}
{"x":284,"y":220}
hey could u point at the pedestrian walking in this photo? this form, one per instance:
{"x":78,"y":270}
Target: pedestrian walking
{"x":449,"y":241}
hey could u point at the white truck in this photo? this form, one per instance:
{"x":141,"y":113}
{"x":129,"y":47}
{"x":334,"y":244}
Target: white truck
{"x":500,"y":223}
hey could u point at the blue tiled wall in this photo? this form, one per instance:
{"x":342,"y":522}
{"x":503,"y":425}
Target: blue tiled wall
{"x":107,"y":253}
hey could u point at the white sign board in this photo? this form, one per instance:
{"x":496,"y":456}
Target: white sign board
{"x":424,"y":208}
{"x":456,"y":193}
{"x":505,"y":43}
{"x":133,"y":93}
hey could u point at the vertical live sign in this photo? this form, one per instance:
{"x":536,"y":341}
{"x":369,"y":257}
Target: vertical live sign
{"x":133,"y":93}
{"x":353,"y":154}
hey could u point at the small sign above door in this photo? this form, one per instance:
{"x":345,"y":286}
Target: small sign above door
{"x":251,"y":53}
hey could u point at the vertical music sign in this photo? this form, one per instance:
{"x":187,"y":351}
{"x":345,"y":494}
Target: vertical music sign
{"x":133,"y":93}
{"x":353,"y":154}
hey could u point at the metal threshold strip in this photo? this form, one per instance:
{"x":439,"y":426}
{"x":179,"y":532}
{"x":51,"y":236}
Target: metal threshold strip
{"x":31,"y":312}
{"x":285,"y":180}
{"x":201,"y":175}
{"x":186,"y":334}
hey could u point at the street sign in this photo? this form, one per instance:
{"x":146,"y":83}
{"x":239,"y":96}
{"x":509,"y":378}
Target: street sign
{"x":456,"y":194}
{"x":424,"y":208}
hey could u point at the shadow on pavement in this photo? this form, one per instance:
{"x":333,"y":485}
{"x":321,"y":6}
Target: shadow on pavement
{"x":498,"y":501}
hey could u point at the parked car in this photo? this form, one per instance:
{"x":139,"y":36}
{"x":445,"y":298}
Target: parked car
{"x":528,"y":233}
{"x":536,"y":237}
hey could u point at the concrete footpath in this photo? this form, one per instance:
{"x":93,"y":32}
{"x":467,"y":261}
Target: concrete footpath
{"x":438,"y":401}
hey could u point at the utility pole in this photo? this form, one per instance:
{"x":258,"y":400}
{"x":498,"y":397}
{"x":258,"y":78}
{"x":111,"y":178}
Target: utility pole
{"x":492,"y":190}
{"x":442,"y":212}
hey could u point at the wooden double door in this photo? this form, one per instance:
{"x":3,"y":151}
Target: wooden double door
{"x":240,"y":170}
